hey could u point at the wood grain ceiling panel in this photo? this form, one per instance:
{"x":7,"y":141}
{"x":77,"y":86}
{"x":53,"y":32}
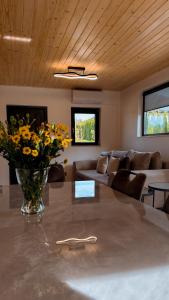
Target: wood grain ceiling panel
{"x":131,"y":48}
{"x":123,"y":41}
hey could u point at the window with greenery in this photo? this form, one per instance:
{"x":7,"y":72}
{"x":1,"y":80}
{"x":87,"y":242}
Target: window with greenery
{"x":156,"y":110}
{"x":85,"y":126}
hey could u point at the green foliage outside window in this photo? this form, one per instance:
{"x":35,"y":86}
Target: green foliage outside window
{"x":85,"y":130}
{"x":85,"y":125}
{"x":156,"y":121}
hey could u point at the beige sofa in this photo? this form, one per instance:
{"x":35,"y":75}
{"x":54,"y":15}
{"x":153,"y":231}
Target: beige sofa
{"x":86,"y":170}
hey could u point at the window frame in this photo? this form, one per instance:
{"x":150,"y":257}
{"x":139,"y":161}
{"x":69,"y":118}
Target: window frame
{"x":148,"y":92}
{"x":89,"y":110}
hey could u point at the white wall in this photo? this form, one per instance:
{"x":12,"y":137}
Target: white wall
{"x":59,"y":109}
{"x":131,"y":113}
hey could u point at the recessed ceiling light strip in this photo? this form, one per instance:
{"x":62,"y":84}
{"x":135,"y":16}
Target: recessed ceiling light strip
{"x":17,"y":38}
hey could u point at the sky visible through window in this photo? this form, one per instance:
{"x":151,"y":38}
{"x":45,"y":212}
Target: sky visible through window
{"x":84,"y":189}
{"x":83,"y":117}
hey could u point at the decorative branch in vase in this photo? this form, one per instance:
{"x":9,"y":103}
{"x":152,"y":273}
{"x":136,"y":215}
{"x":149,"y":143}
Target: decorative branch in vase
{"x":29,"y":148}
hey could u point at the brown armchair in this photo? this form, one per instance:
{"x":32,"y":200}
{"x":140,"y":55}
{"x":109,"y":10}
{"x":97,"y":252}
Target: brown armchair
{"x":56,"y":173}
{"x":129,"y":183}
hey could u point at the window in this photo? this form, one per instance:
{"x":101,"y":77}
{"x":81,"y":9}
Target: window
{"x":156,"y":110}
{"x":85,"y":126}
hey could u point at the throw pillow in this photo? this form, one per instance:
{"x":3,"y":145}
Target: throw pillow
{"x":131,"y":153}
{"x":156,"y":161}
{"x":141,"y":161}
{"x":124,"y":163}
{"x":102,"y":164}
{"x":113,"y":165}
{"x":155,"y":158}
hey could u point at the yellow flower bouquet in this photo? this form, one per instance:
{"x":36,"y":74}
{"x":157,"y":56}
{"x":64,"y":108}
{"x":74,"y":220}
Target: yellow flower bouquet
{"x":29,"y":148}
{"x":26,"y":145}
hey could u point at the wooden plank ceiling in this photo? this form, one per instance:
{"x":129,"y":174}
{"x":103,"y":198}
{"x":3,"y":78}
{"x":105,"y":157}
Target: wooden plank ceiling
{"x":122,"y":41}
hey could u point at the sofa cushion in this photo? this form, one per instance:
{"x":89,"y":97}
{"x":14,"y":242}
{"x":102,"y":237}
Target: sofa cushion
{"x":105,"y":153}
{"x":131,"y":153}
{"x":140,"y":161}
{"x":155,"y":158}
{"x":92,"y":174}
{"x":113,"y":165}
{"x":102,"y":164}
{"x":156,"y":161}
{"x":119,"y":153}
{"x":85,"y":164}
{"x":124,"y":163}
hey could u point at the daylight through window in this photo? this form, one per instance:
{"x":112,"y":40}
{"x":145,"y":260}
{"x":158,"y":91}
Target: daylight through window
{"x":156,"y":111}
{"x":85,"y":126}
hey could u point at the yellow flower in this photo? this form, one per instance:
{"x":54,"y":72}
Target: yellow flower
{"x":47,"y":141}
{"x":64,"y":144}
{"x":34,"y":153}
{"x":1,"y":133}
{"x":15,"y":139}
{"x":35,"y":138}
{"x":23,"y":129}
{"x":26,"y":150}
{"x":68,"y":140}
{"x":59,"y":137}
{"x":47,"y":133}
{"x":26,"y":135}
{"x":62,"y":127}
{"x":49,"y":126}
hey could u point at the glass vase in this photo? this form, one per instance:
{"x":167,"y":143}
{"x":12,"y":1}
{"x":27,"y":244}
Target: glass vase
{"x":32,"y":182}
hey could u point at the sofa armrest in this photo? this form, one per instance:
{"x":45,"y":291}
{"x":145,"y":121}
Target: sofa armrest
{"x":85,"y":165}
{"x":165,"y":164}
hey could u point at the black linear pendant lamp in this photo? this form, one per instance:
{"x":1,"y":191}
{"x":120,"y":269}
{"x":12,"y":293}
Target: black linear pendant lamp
{"x":76,"y":73}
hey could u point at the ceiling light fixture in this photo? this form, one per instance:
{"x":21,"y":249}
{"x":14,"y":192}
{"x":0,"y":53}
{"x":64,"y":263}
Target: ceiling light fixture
{"x":17,"y":38}
{"x":72,"y":74}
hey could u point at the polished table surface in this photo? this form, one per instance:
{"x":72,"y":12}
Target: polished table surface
{"x":130,"y":259}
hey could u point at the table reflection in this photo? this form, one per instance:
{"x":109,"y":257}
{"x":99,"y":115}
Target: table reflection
{"x":16,"y":196}
{"x":85,"y":191}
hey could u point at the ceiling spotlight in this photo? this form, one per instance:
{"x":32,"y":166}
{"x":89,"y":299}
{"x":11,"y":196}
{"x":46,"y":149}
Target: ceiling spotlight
{"x":17,"y":38}
{"x":76,"y":73}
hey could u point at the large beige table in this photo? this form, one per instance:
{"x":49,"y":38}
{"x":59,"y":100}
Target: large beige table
{"x":129,"y":261}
